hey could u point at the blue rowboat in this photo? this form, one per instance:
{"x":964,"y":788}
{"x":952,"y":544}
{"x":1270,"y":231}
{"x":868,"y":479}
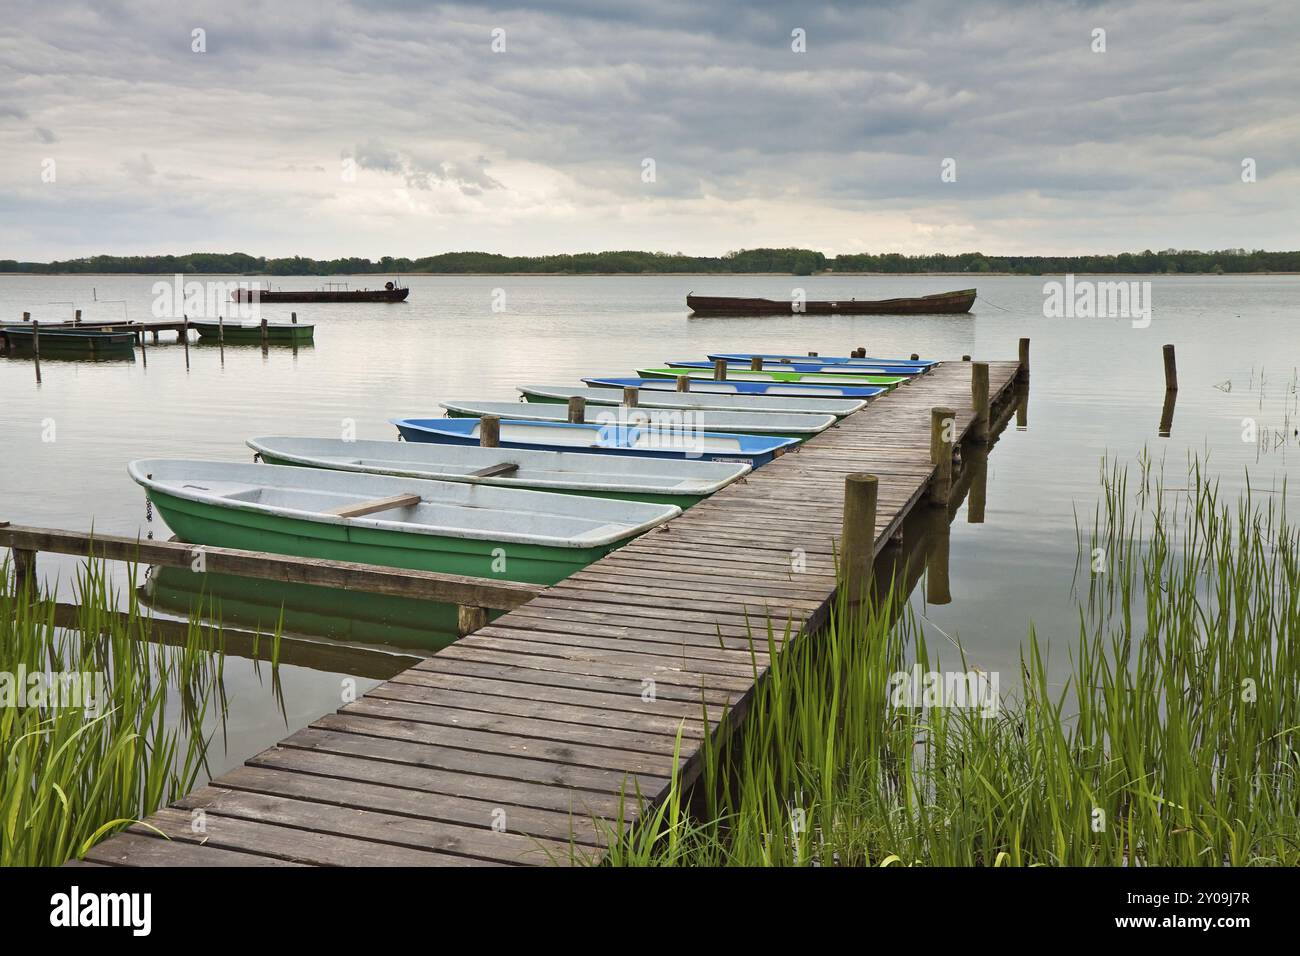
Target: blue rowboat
{"x":821,"y":359}
{"x":766,"y":389}
{"x":611,"y":439}
{"x":808,"y":365}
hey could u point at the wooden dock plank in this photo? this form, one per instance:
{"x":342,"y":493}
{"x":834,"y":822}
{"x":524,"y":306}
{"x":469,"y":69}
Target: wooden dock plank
{"x":566,"y":706}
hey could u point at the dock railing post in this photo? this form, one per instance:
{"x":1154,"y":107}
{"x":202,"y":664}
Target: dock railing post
{"x":631,"y":396}
{"x":577,"y":410}
{"x":858,"y":534}
{"x":979,"y":394}
{"x":943,"y":427}
{"x":489,"y":431}
{"x":36,"y":349}
{"x":720,"y":370}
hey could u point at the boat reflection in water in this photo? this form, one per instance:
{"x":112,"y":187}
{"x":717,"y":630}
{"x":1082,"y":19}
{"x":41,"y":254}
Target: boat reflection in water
{"x":307,"y":611}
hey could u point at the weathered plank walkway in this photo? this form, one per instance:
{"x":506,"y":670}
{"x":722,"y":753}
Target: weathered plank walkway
{"x":502,"y":748}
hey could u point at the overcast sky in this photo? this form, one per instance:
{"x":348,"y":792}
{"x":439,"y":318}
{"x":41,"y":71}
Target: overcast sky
{"x":387,"y":127}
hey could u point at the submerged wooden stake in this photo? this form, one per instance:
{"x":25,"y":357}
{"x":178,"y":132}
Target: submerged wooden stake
{"x":1171,"y":370}
{"x":489,"y":431}
{"x":979,"y":395}
{"x":943,"y":425}
{"x":858,"y":534}
{"x":577,"y":409}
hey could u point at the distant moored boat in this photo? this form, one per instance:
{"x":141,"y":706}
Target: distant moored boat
{"x":333,"y":292}
{"x":939,"y":303}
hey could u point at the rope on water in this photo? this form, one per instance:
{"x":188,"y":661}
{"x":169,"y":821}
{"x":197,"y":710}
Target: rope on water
{"x":994,"y":304}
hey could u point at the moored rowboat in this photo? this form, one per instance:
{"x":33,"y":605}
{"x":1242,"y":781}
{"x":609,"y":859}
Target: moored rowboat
{"x":809,"y":378}
{"x":241,"y":332}
{"x":709,"y":386}
{"x":67,"y":339}
{"x":661,"y":480}
{"x":937,"y":304}
{"x":757,"y":450}
{"x":810,"y":365}
{"x":698,"y":399}
{"x":446,"y":526}
{"x":822,"y":359}
{"x":784,"y":425}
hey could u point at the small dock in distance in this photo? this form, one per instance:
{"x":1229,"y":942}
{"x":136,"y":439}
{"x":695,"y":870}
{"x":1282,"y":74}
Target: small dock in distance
{"x":505,"y":747}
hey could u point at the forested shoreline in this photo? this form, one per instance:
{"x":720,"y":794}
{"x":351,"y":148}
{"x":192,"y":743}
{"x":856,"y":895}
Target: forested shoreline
{"x":782,"y":261}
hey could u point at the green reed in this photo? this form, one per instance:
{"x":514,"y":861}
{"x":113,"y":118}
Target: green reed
{"x":74,"y":770}
{"x":1172,"y":740}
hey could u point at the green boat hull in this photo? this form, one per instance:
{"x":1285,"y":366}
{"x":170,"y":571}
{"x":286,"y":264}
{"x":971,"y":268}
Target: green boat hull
{"x":243,"y":334}
{"x":197,"y":522}
{"x":681,"y":501}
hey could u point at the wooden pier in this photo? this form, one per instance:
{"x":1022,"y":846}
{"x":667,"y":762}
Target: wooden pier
{"x":507,"y":746}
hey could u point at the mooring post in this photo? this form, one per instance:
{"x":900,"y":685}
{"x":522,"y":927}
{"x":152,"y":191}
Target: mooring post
{"x":943,"y":425}
{"x":1171,"y":370}
{"x":631,"y":396}
{"x":683,"y":383}
{"x":265,"y":334}
{"x":756,"y":363}
{"x":979,"y":395}
{"x":1022,"y":373}
{"x":36,"y":349}
{"x":27,"y":316}
{"x":489,"y":431}
{"x":76,"y":317}
{"x":470,"y":619}
{"x":858,"y":534}
{"x":293,"y":317}
{"x":24,"y":567}
{"x":720,"y":369}
{"x":577,"y":410}
{"x":185,"y":337}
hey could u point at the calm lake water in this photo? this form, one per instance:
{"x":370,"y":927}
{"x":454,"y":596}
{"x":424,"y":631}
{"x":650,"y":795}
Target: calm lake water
{"x":1097,"y":390}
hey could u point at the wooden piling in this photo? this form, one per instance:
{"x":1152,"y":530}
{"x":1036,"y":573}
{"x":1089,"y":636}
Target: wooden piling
{"x":489,"y":431}
{"x":185,"y":337}
{"x":915,"y":356}
{"x":720,"y":370}
{"x":470,"y":619}
{"x":76,"y":317}
{"x":756,"y":363}
{"x":979,"y":394}
{"x":24,"y":561}
{"x":942,"y":427}
{"x":265,"y":334}
{"x":812,"y":354}
{"x":27,"y":316}
{"x":1171,"y":370}
{"x":965,"y":358}
{"x":683,"y":383}
{"x":631,"y":396}
{"x":293,"y":317}
{"x":577,"y":410}
{"x":858,"y":534}
{"x":36,"y":349}
{"x":221,"y":331}
{"x":1022,"y":376}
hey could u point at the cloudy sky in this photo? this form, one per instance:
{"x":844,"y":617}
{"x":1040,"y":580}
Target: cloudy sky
{"x":388,"y":127}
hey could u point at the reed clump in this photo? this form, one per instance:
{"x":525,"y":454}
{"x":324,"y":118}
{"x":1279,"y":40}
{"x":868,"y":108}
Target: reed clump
{"x":98,"y":726}
{"x":1171,"y":741}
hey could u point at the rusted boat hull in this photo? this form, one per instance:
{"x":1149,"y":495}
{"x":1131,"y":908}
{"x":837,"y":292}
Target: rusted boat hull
{"x":941,"y":303}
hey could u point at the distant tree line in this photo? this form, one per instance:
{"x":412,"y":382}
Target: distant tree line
{"x":789,"y":261}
